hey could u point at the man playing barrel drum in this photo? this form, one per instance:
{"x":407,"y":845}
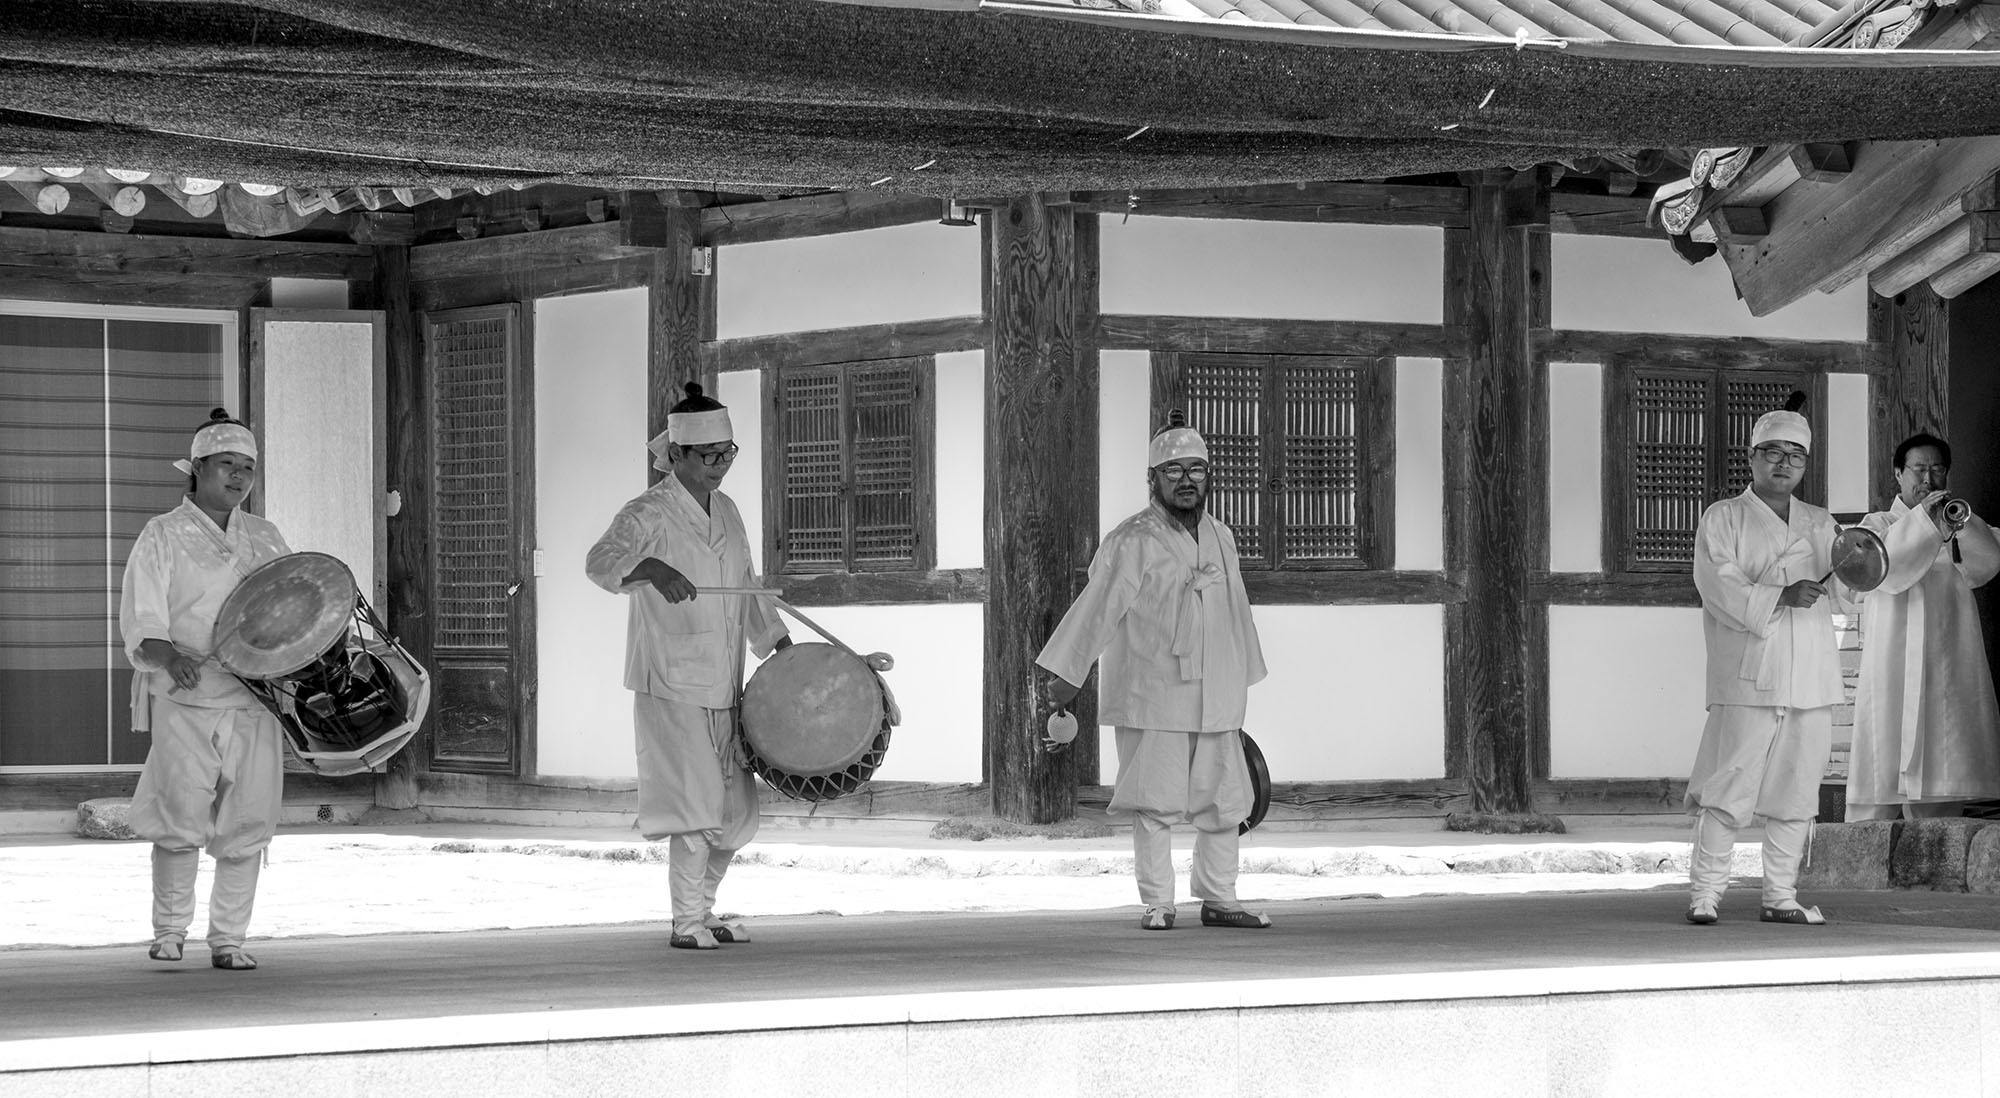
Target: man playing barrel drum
{"x":1761,"y":562}
{"x":1166,"y":608}
{"x":215,"y":774}
{"x":684,"y":659}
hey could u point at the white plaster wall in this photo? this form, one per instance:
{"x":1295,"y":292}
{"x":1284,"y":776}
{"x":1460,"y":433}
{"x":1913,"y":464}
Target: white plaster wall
{"x":1419,"y":464}
{"x":961,"y":460}
{"x":847,"y":280}
{"x":1355,"y":692}
{"x":1208,"y":267}
{"x":1847,"y":487}
{"x":1625,"y":691}
{"x":1124,"y":415}
{"x":1617,"y":284}
{"x":308,"y":293}
{"x":742,"y":391}
{"x":1576,"y":467}
{"x":319,"y":454}
{"x":590,"y":457}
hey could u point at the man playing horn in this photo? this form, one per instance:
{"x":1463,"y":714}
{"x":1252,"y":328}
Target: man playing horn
{"x":214,"y":776}
{"x":684,"y":659}
{"x":1760,"y":562}
{"x":1926,"y":727}
{"x":1166,"y":608}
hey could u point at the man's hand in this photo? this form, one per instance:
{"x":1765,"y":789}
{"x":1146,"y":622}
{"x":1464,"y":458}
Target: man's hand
{"x":1061,"y":692}
{"x":1933,"y":505}
{"x":184,"y":669}
{"x":1802,"y":594}
{"x":664,"y":578}
{"x":782,"y":643}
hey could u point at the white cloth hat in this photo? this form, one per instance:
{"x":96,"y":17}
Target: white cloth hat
{"x":1175,"y":444}
{"x":218,"y":438}
{"x":690,"y":429}
{"x":1782,"y":426}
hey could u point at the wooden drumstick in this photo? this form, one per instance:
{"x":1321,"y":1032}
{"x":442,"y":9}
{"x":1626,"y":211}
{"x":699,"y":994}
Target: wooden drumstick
{"x":739,"y":590}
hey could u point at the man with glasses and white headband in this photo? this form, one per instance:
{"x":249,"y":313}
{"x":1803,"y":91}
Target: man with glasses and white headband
{"x":1761,"y":560}
{"x":214,"y":775}
{"x":1166,"y":608}
{"x":1926,"y":726}
{"x":684,"y":659}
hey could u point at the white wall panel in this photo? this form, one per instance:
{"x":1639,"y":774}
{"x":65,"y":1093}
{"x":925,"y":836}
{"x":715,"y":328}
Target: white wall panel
{"x":319,"y":454}
{"x":1620,"y":284}
{"x":1846,"y":447}
{"x":961,"y":460}
{"x":847,"y":280}
{"x":590,"y":457}
{"x":1576,"y":467}
{"x":1626,"y":691}
{"x":1188,"y":266}
{"x":1419,"y":464}
{"x":1124,"y":426}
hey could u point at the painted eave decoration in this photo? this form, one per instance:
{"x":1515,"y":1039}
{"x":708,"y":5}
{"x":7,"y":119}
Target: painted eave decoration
{"x":339,"y":104}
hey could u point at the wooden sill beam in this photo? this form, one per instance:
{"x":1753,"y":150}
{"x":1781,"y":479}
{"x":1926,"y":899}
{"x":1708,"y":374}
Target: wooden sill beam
{"x":87,"y":254}
{"x":813,"y":215}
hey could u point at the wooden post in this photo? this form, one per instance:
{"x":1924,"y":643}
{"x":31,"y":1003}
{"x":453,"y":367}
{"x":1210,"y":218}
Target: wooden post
{"x":681,"y":308}
{"x":1489,"y":497}
{"x":1041,"y":490}
{"x":408,"y":446}
{"x":1913,"y":329}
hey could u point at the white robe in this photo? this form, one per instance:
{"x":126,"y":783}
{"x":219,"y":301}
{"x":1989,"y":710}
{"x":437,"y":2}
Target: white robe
{"x":690,"y":652}
{"x":1171,"y":619}
{"x":1759,"y":653}
{"x":1926,"y":727}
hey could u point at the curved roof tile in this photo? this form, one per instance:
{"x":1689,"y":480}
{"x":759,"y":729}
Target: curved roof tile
{"x":1653,"y":22}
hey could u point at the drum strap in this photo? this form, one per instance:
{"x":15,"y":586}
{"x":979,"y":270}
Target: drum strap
{"x":815,"y":627}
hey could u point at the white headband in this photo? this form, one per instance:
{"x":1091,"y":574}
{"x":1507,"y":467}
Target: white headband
{"x":218,"y":438}
{"x":690,"y":429}
{"x":1175,"y":444}
{"x":1782,"y":426}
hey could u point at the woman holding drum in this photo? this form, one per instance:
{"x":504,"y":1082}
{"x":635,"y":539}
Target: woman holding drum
{"x":215,"y":774}
{"x":684,"y":659}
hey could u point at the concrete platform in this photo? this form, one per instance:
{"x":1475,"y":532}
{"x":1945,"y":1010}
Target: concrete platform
{"x":1584,"y":994}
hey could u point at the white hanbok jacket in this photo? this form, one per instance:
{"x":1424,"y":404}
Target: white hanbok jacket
{"x":690,"y":652}
{"x":1172,"y":621}
{"x":1758,"y":652}
{"x":1926,"y":726}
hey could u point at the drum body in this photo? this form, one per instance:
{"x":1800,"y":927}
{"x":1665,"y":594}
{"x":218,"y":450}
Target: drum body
{"x":815,"y":721}
{"x":1260,"y":784}
{"x":347,"y":696}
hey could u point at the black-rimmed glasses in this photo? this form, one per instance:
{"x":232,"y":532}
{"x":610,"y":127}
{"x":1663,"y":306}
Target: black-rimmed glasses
{"x":1176,"y":471}
{"x":1771,"y":454}
{"x":712,"y":458}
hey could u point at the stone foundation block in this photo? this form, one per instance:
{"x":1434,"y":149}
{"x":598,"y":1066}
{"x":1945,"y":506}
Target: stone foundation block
{"x":1982,"y":862}
{"x":1850,"y":855}
{"x":1931,"y":853}
{"x":104,"y":818}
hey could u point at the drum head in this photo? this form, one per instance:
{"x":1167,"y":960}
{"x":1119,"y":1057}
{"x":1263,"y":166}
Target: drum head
{"x":812,"y":709}
{"x":1260,"y":782}
{"x":283,"y":615}
{"x":1859,"y":558}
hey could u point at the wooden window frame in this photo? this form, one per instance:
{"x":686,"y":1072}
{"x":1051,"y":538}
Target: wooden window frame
{"x":1375,"y":446}
{"x":923,"y":475}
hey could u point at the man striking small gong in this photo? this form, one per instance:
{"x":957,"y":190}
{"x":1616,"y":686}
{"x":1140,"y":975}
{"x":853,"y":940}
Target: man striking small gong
{"x":684,"y":659}
{"x":1166,"y":608}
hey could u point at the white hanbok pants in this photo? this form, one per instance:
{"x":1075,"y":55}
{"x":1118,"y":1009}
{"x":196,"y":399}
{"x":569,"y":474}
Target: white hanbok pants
{"x":214,"y":778}
{"x":694,"y":793}
{"x":1756,"y":761}
{"x":1166,"y":778}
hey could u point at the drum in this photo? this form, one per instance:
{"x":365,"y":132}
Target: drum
{"x":297,"y":633}
{"x":815,"y":721}
{"x":1260,"y":784}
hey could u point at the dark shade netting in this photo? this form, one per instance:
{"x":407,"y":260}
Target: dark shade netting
{"x":783,"y":95}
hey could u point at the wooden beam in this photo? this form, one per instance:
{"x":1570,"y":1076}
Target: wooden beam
{"x":1738,"y":224}
{"x":572,"y":246}
{"x":1347,"y":203}
{"x":942,"y":335}
{"x":813,"y":215}
{"x":1823,"y":162}
{"x":1613,"y":589}
{"x":83,"y":255}
{"x":1351,"y":588}
{"x":1964,"y":274}
{"x":1820,"y":233}
{"x":886,"y":588}
{"x":205,"y":292}
{"x":1970,"y":234}
{"x":680,"y":317}
{"x":1599,"y":215}
{"x":1041,"y":518}
{"x":1735,"y":353}
{"x":409,"y":475}
{"x":1487,"y":507}
{"x":1280,"y":337}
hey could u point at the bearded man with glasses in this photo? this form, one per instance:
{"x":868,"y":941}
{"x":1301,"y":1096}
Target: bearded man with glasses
{"x":1761,"y":560}
{"x":1166,"y":608}
{"x":1926,"y":726}
{"x":684,"y":659}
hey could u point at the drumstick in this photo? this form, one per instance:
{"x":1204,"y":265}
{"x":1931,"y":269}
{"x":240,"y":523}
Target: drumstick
{"x":739,"y":590}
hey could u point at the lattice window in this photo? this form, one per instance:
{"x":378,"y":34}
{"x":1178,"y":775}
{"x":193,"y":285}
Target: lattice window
{"x":1687,"y":430}
{"x":853,"y":491}
{"x":1288,"y":438}
{"x":471,"y":378}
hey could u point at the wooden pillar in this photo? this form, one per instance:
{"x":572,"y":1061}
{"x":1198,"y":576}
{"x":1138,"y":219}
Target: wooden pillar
{"x":409,"y":462}
{"x":1913,"y":330}
{"x":1490,"y":693}
{"x":1041,"y":487}
{"x":680,"y":307}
